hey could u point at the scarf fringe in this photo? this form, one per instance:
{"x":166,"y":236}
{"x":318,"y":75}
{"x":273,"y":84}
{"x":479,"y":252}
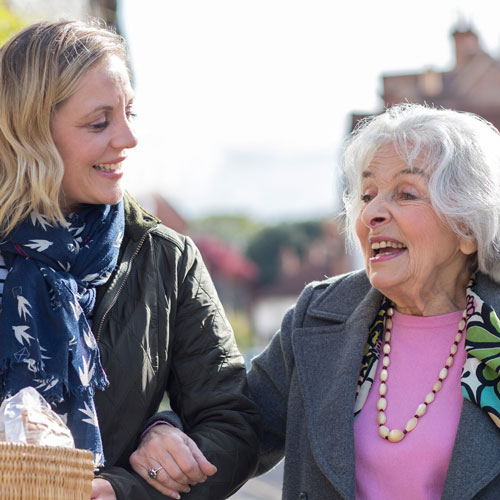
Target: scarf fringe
{"x":55,"y":393}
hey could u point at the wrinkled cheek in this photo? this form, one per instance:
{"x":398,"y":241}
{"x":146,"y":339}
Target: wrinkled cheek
{"x":361,"y":230}
{"x":415,"y":266}
{"x":362,"y":235}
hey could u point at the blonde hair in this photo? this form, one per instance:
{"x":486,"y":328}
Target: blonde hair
{"x":41,"y":67}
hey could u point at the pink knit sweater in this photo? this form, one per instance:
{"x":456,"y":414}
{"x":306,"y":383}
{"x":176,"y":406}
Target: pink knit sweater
{"x":415,"y":468}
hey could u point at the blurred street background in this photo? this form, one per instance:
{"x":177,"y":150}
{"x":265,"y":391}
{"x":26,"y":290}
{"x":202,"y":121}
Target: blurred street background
{"x":266,"y":487}
{"x":242,"y":109}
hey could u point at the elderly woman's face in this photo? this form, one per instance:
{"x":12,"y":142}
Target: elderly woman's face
{"x":411,"y":255}
{"x":92,"y":133}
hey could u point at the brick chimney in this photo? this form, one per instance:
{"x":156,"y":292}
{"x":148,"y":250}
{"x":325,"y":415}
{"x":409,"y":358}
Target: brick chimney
{"x":466,"y":46}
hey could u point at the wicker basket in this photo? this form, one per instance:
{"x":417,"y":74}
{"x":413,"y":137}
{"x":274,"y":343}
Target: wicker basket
{"x":30,"y":472}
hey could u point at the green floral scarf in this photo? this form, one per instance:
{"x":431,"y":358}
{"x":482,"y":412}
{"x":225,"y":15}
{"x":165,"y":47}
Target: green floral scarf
{"x":481,"y":372}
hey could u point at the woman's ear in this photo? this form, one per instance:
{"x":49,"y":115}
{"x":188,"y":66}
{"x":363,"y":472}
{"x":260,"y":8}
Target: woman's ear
{"x":468,"y":246}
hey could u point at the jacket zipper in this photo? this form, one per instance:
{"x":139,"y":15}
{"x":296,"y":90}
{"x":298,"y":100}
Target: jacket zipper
{"x":122,"y":284}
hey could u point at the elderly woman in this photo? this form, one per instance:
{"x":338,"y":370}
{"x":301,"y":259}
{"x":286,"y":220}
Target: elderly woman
{"x":383,"y":383}
{"x":105,"y":310}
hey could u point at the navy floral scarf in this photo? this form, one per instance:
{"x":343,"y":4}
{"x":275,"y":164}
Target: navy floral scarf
{"x":480,"y":379}
{"x":45,"y":338}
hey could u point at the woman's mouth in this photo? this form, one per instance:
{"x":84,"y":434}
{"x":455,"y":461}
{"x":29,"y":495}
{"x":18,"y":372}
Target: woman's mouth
{"x":108,"y":167}
{"x":383,"y":250}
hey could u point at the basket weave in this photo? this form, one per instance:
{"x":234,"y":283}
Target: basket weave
{"x":30,"y":472}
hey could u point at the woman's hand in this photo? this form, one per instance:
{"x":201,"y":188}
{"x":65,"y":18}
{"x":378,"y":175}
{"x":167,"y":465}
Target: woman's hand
{"x":176,"y":458}
{"x":102,"y":490}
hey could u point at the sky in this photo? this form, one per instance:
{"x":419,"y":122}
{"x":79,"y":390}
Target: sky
{"x":242,"y":106}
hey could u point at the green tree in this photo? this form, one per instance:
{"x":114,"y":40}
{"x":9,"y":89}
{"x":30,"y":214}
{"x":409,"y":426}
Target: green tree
{"x":242,"y":328}
{"x":264,"y":249}
{"x":235,"y":229}
{"x":10,"y":22}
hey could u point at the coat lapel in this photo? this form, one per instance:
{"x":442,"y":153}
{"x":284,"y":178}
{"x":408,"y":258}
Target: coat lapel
{"x":328,"y":356}
{"x":476,"y":454}
{"x":475,"y":460}
{"x":328,"y":350}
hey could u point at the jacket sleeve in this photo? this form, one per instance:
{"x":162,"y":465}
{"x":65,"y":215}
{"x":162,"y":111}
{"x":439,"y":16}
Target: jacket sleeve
{"x":207,"y":385}
{"x":207,"y":388}
{"x":268,"y":379}
{"x":269,"y":382}
{"x":128,"y":485}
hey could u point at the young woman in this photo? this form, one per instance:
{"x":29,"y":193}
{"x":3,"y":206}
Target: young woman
{"x":104,"y":310}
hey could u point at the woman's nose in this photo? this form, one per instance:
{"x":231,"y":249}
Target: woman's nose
{"x":375,"y":213}
{"x":125,"y":137}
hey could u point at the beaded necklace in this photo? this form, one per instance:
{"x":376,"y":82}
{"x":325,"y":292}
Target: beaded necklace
{"x":396,"y":435}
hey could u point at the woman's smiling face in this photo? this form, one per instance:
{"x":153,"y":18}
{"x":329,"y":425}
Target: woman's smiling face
{"x":92,"y":133}
{"x":411,"y":255}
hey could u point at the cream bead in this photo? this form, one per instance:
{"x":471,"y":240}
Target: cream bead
{"x":388,"y":324}
{"x":383,"y":431}
{"x":449,"y":362}
{"x":390,"y":312}
{"x":411,"y":424}
{"x":429,"y":398}
{"x":382,"y":390}
{"x":387,"y":348}
{"x":396,"y":435}
{"x":461,"y":326}
{"x":443,"y":373}
{"x":386,"y":361}
{"x":381,"y":404}
{"x":381,"y":418}
{"x":437,"y":386}
{"x":387,"y":336}
{"x":454,"y":349}
{"x":384,"y":375}
{"x":421,"y":409}
{"x":458,"y":338}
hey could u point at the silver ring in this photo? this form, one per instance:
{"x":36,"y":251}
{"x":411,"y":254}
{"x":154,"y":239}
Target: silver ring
{"x":153,"y":473}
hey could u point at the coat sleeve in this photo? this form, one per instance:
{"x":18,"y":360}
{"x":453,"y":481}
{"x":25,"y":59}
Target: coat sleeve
{"x":207,"y":385}
{"x":207,"y":388}
{"x":269,"y":382}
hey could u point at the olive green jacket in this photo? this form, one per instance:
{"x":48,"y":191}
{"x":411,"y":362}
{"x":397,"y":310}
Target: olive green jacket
{"x":161,"y":328}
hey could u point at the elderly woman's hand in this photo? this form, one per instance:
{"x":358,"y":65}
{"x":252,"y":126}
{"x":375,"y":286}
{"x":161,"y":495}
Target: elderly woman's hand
{"x":174,"y":456}
{"x":102,"y":490}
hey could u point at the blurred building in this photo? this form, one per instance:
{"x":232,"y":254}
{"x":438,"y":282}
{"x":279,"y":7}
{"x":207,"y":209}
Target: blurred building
{"x":471,"y":85}
{"x":157,"y":205}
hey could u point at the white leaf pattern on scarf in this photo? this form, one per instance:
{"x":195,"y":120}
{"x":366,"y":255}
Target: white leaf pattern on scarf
{"x":48,"y":294}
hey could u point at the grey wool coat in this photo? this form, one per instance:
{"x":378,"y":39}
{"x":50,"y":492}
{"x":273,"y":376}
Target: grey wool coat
{"x":305,"y":385}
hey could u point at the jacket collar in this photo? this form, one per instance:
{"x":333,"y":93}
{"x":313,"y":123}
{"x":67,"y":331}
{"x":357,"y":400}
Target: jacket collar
{"x":137,"y":223}
{"x":328,"y":389}
{"x":137,"y":219}
{"x":328,"y":306}
{"x":355,"y":286}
